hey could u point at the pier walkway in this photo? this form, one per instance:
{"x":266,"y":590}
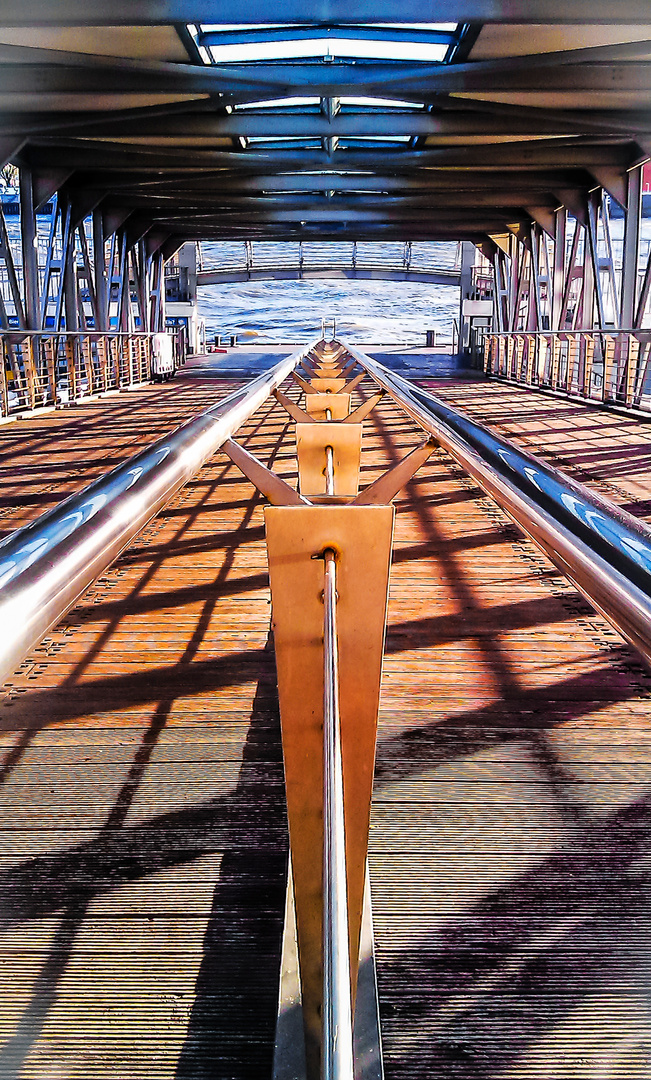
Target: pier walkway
{"x":143,"y":834}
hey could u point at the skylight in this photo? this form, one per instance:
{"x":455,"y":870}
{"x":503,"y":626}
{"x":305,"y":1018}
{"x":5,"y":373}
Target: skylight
{"x":352,"y":102}
{"x":413,"y":43}
{"x":277,"y":103}
{"x":292,"y":50}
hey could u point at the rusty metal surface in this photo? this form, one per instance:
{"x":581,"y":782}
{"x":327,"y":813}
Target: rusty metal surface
{"x":142,"y":822}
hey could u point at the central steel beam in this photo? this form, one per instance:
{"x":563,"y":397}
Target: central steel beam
{"x":359,"y":123}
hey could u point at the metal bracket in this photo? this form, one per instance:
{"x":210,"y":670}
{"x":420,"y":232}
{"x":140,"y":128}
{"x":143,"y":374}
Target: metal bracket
{"x":273,"y":487}
{"x":361,"y":537}
{"x":388,"y":485}
{"x":294,"y":410}
{"x":338,"y":405}
{"x":328,"y":386}
{"x":363,"y":410}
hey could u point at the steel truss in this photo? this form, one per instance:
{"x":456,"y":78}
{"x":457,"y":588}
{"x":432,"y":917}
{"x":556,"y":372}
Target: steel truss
{"x":78,"y":268}
{"x":81,"y":293}
{"x":563,"y":269}
{"x":571,"y":301}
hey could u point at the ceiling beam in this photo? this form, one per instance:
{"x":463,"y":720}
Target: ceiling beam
{"x":187,"y":202}
{"x":603,"y":68}
{"x":551,"y":153}
{"x":164,"y":12}
{"x":422,"y":180}
{"x":345,"y":123}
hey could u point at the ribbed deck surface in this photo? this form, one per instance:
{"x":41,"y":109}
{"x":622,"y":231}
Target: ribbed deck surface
{"x":143,"y":835}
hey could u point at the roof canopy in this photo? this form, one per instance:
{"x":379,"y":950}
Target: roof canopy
{"x":365,"y":121}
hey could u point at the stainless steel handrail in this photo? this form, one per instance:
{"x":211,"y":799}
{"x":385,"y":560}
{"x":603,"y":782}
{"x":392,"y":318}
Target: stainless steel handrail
{"x":337,"y":1041}
{"x":604,"y":551}
{"x":46,"y":566}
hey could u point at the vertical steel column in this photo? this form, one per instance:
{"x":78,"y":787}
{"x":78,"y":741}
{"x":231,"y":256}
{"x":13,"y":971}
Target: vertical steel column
{"x":514,"y":280}
{"x":29,"y":241}
{"x":144,"y":264}
{"x":499,"y":291}
{"x":66,"y":233}
{"x":47,"y":274}
{"x":534,"y":321}
{"x":70,"y":282}
{"x":594,"y":199}
{"x":156,"y":272}
{"x":558,"y":289}
{"x":585,"y":307}
{"x":467,"y":263}
{"x":632,"y":226}
{"x":124,"y":299}
{"x":90,"y":279}
{"x":101,"y":278}
{"x":161,"y":293}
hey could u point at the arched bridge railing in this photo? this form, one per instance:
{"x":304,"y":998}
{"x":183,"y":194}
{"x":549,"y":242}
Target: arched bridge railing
{"x":429,"y":263}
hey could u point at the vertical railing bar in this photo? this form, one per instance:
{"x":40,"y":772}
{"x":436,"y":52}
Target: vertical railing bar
{"x":337,"y":1047}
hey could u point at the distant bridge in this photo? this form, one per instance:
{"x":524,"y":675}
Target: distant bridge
{"x":256,"y":261}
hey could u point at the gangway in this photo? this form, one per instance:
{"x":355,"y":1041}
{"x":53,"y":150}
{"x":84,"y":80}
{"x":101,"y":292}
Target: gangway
{"x":604,"y":552}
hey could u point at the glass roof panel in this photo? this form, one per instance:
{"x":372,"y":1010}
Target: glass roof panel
{"x":276,"y":103}
{"x":289,"y":49}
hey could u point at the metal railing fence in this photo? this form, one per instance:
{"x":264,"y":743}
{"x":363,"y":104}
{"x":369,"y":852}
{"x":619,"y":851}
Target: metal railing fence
{"x":249,"y":256}
{"x":612,"y":366}
{"x":40,"y":368}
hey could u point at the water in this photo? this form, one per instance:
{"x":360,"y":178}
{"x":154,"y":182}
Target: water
{"x":391,"y":312}
{"x":369,"y":311}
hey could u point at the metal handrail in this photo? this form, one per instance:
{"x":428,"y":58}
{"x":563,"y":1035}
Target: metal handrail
{"x":46,"y":566}
{"x":337,"y":1040}
{"x":604,"y":551}
{"x":609,"y":366}
{"x":50,"y":333}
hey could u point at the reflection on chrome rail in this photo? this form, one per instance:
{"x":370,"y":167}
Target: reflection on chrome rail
{"x":604,"y":551}
{"x":47,"y":565}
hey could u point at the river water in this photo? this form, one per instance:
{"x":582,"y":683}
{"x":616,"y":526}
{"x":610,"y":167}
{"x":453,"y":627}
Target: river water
{"x":392,"y":312}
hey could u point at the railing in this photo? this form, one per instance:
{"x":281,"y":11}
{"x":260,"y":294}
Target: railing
{"x":612,"y":366}
{"x":47,"y":565}
{"x":38,"y":369}
{"x":604,"y":551}
{"x":258,"y":257}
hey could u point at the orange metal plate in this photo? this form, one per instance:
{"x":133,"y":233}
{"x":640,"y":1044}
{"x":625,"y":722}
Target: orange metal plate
{"x":338,"y":404}
{"x":328,"y":386}
{"x":362,"y":538}
{"x":346,"y":443}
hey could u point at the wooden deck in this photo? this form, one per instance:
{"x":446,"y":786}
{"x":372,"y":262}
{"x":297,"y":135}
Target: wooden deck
{"x":142,"y":831}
